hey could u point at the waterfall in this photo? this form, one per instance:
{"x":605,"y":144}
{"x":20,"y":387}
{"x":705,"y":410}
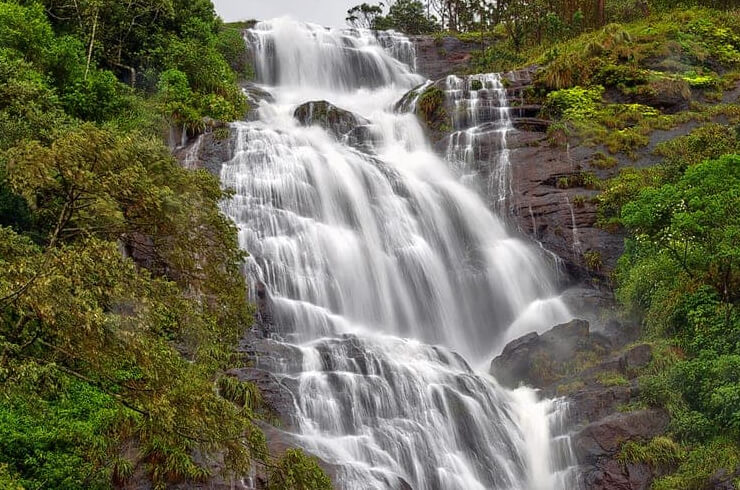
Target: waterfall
{"x":482,"y":120}
{"x":389,"y":278}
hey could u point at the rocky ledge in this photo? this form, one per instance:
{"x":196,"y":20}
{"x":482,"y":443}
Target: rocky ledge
{"x":596,"y":372}
{"x":437,"y":57}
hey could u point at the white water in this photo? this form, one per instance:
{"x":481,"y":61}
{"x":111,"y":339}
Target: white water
{"x":481,"y":118}
{"x":387,"y":273}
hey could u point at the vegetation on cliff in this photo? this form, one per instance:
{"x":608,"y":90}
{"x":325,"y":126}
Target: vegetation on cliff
{"x":121,"y":292}
{"x":613,"y":88}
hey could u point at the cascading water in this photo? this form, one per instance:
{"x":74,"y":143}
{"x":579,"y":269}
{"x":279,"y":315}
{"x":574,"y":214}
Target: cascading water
{"x":386,"y":273}
{"x":481,"y":119}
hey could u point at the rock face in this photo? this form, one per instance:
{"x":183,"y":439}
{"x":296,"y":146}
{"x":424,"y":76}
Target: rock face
{"x":554,"y":183}
{"x":597,"y":445}
{"x":209,"y":150}
{"x":344,"y":125}
{"x":597,"y":375}
{"x":530,"y":359}
{"x":439,"y":57}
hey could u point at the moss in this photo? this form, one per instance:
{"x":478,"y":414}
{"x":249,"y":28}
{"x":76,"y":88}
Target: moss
{"x":476,"y":85}
{"x":431,"y":107}
{"x":612,"y":379}
{"x":579,"y":201}
{"x":575,"y":103}
{"x":593,"y":260}
{"x":660,"y":452}
{"x":571,"y":387}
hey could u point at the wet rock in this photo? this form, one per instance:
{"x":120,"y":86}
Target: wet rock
{"x":439,"y":57}
{"x":209,"y":151}
{"x":540,"y":360}
{"x":723,"y":479}
{"x":670,"y":96}
{"x":344,"y":125}
{"x":597,"y":445}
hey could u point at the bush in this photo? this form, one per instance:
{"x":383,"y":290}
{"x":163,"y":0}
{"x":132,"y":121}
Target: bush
{"x":431,"y":107}
{"x":660,"y":452}
{"x":573,"y":104}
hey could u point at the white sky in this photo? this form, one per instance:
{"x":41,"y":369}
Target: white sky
{"x":324,"y":12}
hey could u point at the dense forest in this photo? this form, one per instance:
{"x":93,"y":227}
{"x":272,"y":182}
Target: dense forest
{"x":121,"y":287}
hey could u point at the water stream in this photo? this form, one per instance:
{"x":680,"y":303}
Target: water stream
{"x":393,"y":278}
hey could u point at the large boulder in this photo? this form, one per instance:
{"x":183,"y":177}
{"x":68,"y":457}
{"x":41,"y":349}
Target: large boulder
{"x":342,"y":124}
{"x":540,"y":360}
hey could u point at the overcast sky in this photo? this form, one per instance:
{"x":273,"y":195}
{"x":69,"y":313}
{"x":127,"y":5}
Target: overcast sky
{"x":324,"y":12}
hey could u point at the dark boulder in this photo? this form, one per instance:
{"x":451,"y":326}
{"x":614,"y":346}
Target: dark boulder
{"x":723,"y":479}
{"x":342,"y":124}
{"x":540,"y":360}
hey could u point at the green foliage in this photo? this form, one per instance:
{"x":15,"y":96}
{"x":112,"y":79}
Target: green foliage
{"x":573,"y":104}
{"x":603,"y":161}
{"x":121,"y":293}
{"x":62,"y":441}
{"x":660,"y":452}
{"x":365,"y":15}
{"x":694,"y":223}
{"x":431,"y":107}
{"x":408,"y":16}
{"x":699,"y":463}
{"x":679,"y":272}
{"x":612,"y":379}
{"x":230,"y":44}
{"x":706,"y":142}
{"x":571,"y":387}
{"x":297,"y":471}
{"x":593,"y":260}
{"x":98,"y":98}
{"x":29,"y":108}
{"x":499,"y":57}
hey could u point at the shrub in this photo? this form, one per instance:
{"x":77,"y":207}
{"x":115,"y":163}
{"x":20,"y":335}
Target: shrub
{"x":658,"y":453}
{"x":431,"y":107}
{"x":612,"y":379}
{"x":602,"y":161}
{"x":593,"y":260}
{"x":573,"y":104}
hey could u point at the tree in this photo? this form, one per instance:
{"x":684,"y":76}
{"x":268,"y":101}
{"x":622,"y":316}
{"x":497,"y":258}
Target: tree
{"x":364,"y":16}
{"x":409,"y":17}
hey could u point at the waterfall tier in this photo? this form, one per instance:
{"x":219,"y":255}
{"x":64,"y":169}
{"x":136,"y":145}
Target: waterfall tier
{"x":388,"y":275}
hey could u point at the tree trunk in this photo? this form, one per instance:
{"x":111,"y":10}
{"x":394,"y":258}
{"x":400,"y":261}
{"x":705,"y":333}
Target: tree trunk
{"x":601,"y":12}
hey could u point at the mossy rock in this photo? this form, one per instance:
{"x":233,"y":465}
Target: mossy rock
{"x":432,"y":109}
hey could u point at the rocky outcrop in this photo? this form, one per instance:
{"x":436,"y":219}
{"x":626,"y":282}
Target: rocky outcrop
{"x":598,"y":444}
{"x":255,"y":96}
{"x":344,"y":125}
{"x":538,"y":360}
{"x":597,"y":374}
{"x":437,"y":57}
{"x":555,"y":181}
{"x":209,"y":150}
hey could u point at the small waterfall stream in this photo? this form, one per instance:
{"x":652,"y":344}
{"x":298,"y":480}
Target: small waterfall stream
{"x":392,"y":279}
